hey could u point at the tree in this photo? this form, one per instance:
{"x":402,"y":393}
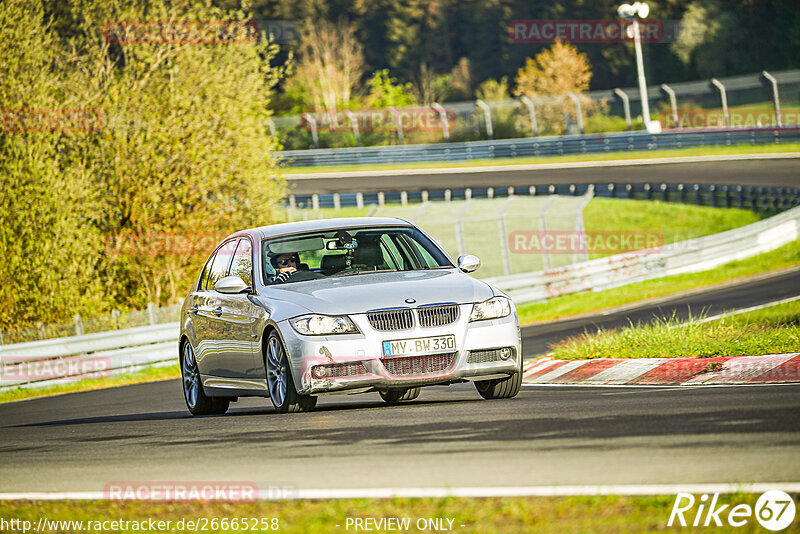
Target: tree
{"x":330,"y":65}
{"x":708,"y":34}
{"x":46,"y":233}
{"x":549,"y":77}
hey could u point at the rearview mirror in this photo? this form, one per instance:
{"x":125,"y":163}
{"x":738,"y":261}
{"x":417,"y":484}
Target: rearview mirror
{"x":468,"y":263}
{"x":230,"y":285}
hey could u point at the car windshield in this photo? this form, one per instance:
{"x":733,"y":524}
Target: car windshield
{"x":350,"y":251}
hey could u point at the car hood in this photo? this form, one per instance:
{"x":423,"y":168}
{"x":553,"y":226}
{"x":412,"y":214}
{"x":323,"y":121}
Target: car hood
{"x":369,"y":291}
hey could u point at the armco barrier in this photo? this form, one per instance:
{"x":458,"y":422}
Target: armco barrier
{"x":538,"y":146}
{"x":682,"y":257}
{"x":153,"y":345}
{"x":119,"y":350}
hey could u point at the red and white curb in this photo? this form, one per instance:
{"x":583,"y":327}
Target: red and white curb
{"x":770,"y":369}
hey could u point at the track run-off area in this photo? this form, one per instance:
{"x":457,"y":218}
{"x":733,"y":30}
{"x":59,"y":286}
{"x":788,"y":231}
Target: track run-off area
{"x":547,"y":436}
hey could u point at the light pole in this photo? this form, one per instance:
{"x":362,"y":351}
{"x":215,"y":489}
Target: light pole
{"x":630,"y":12}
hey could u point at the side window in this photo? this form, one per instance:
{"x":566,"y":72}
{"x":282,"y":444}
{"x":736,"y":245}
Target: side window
{"x":206,"y":271}
{"x":242,"y":265}
{"x":222,"y":260}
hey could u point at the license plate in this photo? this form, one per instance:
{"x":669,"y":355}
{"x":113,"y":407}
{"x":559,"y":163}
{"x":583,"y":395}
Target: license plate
{"x":421,"y":345}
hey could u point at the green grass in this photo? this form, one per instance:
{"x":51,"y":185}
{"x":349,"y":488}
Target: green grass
{"x":149,"y":374}
{"x":772,"y":330}
{"x":569,"y":305}
{"x":607,"y":514}
{"x":643,"y":154}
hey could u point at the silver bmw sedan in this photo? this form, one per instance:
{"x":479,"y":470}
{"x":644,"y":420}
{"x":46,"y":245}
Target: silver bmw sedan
{"x":292,"y":311}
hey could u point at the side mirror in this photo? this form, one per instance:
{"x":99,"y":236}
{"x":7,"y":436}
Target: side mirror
{"x":468,"y":263}
{"x":230,"y":285}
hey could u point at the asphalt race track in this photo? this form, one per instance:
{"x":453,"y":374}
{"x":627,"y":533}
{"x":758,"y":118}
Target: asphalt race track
{"x":764,"y":173}
{"x":448,"y":437}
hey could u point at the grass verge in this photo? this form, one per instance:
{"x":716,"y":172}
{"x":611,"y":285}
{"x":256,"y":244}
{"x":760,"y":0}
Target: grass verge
{"x":605,"y":156}
{"x":772,"y":330}
{"x":612,"y":514}
{"x":150,"y":374}
{"x":569,"y":305}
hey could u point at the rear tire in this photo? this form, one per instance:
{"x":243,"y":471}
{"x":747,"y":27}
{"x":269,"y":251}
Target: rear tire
{"x":196,"y":399}
{"x":280,"y":383}
{"x":393,"y":396}
{"x":501,"y":388}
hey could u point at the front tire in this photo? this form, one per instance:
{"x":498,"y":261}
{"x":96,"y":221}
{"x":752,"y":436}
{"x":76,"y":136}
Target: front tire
{"x":280,"y":383}
{"x":501,"y":388}
{"x":393,"y":396}
{"x":196,"y":399}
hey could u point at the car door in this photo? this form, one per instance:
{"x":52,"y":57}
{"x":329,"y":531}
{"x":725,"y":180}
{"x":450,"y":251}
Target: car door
{"x":207,"y":309}
{"x":237,"y":320}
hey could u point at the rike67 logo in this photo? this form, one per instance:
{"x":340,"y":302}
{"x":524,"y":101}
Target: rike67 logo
{"x":774,"y":510}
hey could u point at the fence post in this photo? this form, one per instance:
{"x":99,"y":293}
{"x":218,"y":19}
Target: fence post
{"x":443,"y":118}
{"x":543,"y":229}
{"x":467,"y":194}
{"x":381,"y":198}
{"x":337,"y":201}
{"x":315,"y":201}
{"x":501,"y":229}
{"x":359,"y":200}
{"x":115,"y":317}
{"x":490,"y":192}
{"x":724,"y":97}
{"x":398,"y":125}
{"x":292,"y":201}
{"x":40,"y":329}
{"x":626,"y":106}
{"x":271,"y":125}
{"x":447,"y":195}
{"x":424,"y":195}
{"x":354,"y":123}
{"x":579,"y":226}
{"x":151,"y":311}
{"x":775,"y":98}
{"x":673,"y":103}
{"x":78,"y":325}
{"x":313,"y":123}
{"x":578,"y":111}
{"x":487,"y":116}
{"x":532,"y":113}
{"x":404,"y":198}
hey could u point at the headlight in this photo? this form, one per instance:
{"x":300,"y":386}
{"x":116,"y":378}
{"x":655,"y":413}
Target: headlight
{"x":320,"y":325}
{"x":493,"y":308}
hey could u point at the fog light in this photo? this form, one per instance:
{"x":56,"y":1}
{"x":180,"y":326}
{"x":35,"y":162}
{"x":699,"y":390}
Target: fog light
{"x":319,"y":371}
{"x":505,"y":353}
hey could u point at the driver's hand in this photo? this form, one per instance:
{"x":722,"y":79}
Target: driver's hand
{"x":282,"y":277}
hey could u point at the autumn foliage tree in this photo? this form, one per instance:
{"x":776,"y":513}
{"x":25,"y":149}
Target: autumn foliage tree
{"x":549,"y":77}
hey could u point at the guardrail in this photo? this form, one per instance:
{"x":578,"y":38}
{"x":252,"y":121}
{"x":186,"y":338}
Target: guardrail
{"x":693,"y":255}
{"x":537,"y":146}
{"x":42,"y":363}
{"x":725,"y":196}
{"x":52,"y":361}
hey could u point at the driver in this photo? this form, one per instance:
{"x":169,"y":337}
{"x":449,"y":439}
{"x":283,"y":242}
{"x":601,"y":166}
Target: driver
{"x":285,"y":265}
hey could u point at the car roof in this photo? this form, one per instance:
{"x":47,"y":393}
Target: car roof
{"x":274,"y":230}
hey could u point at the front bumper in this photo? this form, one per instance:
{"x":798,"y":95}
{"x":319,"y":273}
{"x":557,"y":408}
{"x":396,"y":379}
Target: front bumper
{"x":359,"y":360}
